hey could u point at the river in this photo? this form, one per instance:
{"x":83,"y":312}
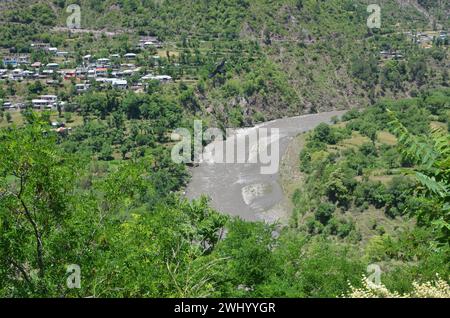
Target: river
{"x":240,"y":189}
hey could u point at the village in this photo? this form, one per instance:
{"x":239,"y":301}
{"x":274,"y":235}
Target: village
{"x":424,"y":40}
{"x":116,"y":71}
{"x":133,"y":70}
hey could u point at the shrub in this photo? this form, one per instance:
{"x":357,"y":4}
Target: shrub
{"x":8,"y":117}
{"x":368,"y":149}
{"x":68,"y":117}
{"x":324,"y":212}
{"x":324,"y":133}
{"x":351,"y":114}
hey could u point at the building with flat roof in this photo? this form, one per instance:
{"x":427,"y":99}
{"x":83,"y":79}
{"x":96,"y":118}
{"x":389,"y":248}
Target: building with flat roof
{"x":40,"y":46}
{"x":130,"y":56}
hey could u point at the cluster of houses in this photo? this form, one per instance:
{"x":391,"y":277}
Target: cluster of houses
{"x":19,"y":67}
{"x":114,"y":70}
{"x":46,"y":47}
{"x":44,"y":102}
{"x":16,"y":60}
{"x":149,"y":42}
{"x":108,"y":71}
{"x":426,"y":39}
{"x":90,"y":69}
{"x":34,"y":72}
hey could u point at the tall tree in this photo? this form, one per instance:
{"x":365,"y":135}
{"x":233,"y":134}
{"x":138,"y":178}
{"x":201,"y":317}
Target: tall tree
{"x":34,"y":182}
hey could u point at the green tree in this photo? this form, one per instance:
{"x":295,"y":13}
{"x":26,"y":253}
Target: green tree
{"x":324,"y":212}
{"x":339,"y":188}
{"x":34,"y":182}
{"x":432,"y":173}
{"x":247,"y":249}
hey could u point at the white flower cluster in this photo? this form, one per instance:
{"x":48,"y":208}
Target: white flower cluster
{"x":437,"y":289}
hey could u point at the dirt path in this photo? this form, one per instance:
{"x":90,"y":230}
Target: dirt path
{"x":95,"y":32}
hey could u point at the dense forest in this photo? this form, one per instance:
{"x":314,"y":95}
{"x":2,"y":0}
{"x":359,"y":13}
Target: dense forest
{"x":371,"y":188}
{"x":134,"y":236}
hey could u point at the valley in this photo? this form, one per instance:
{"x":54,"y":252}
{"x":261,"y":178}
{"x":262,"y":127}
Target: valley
{"x":224,"y":149}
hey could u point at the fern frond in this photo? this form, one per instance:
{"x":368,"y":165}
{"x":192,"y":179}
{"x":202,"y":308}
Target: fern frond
{"x":441,"y":224}
{"x":419,"y":151}
{"x":441,"y":141}
{"x":432,"y":185}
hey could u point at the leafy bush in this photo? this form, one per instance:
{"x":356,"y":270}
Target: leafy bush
{"x":324,"y":212}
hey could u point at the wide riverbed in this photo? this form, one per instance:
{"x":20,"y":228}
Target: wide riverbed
{"x":240,"y":189}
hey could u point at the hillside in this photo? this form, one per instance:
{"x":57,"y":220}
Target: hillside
{"x":97,"y":164}
{"x":283,"y":57}
{"x":351,"y":181}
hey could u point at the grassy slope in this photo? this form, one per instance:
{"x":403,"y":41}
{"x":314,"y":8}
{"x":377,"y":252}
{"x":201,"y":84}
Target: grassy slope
{"x":368,"y":223}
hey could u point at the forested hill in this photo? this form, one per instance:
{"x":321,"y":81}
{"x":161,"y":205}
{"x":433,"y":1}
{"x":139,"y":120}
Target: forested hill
{"x":226,"y":17}
{"x":284,"y":57}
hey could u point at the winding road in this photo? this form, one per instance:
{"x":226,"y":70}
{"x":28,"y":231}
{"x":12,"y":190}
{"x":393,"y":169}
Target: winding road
{"x":240,"y":189}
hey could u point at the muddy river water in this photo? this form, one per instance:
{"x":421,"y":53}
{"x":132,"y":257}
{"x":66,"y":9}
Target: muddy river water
{"x":246,"y":189}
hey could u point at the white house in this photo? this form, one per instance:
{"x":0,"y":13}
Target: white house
{"x":47,"y":73}
{"x":17,"y":74}
{"x":130,"y":56}
{"x":45,"y":101}
{"x":161,"y":78}
{"x":127,"y":66}
{"x":149,"y":44}
{"x":87,"y":58}
{"x":28,"y":74}
{"x":23,"y":60}
{"x":50,"y":98}
{"x":147,"y":77}
{"x":103,"y":62}
{"x":52,"y":66}
{"x":7,"y":105}
{"x":91,"y":74}
{"x":128,"y":72}
{"x":80,"y":88}
{"x":4,"y":74}
{"x":41,"y":104}
{"x":119,"y":83}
